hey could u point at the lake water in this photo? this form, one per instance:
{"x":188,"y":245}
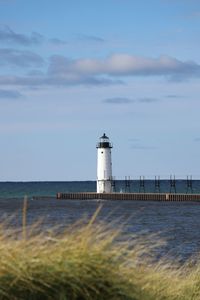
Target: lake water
{"x":177,"y":222}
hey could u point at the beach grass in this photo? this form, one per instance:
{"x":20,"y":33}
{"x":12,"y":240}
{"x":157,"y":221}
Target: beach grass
{"x":89,"y":260}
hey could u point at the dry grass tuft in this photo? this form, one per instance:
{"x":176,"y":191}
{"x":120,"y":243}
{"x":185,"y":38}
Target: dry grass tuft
{"x":88,"y":262}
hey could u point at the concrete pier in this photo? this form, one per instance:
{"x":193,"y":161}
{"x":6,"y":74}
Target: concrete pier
{"x":129,"y":196}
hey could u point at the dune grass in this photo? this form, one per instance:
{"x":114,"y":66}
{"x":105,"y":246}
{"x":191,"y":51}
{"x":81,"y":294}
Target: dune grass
{"x":88,"y":261}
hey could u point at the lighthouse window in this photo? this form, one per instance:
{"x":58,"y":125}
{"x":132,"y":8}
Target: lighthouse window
{"x":101,"y":152}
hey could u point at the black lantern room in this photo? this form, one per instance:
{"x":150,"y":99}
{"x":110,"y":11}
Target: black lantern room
{"x":104,"y":142}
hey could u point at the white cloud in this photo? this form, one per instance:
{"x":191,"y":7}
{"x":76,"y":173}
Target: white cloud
{"x":123,"y":65}
{"x":63,"y":71}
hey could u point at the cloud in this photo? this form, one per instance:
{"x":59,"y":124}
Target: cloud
{"x":124,"y":100}
{"x":147,"y":100}
{"x":118,"y":100}
{"x":45,"y":80}
{"x":7,"y":94}
{"x":57,"y":42}
{"x":124,"y":65}
{"x":19,"y":58}
{"x":63,"y":71}
{"x":90,"y":38}
{"x":9,"y":36}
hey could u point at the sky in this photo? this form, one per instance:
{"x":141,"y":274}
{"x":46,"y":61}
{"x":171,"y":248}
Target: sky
{"x":72,"y":70}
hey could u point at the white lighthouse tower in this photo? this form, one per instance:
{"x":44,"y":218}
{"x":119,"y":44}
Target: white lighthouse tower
{"x":104,"y":165}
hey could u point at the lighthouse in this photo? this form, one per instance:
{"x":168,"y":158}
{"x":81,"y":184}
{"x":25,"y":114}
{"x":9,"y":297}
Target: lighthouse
{"x":104,"y":165}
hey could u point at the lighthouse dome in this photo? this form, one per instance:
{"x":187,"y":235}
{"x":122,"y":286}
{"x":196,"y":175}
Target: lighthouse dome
{"x":104,"y":142}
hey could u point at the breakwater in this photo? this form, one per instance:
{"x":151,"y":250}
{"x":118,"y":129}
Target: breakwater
{"x":129,"y":196}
